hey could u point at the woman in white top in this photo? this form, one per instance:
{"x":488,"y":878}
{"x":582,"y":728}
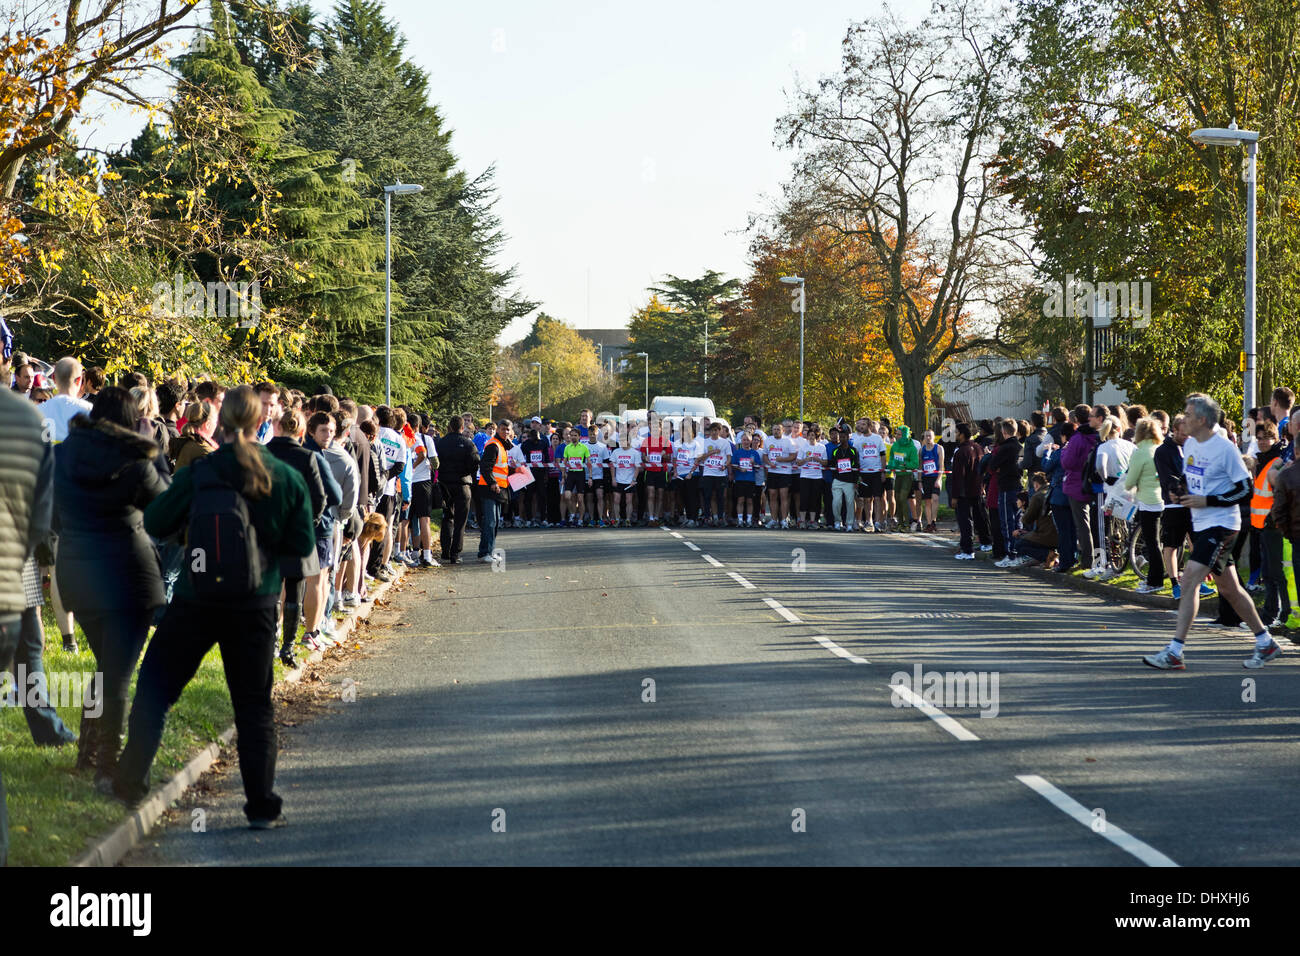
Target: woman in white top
{"x":1113,"y":455}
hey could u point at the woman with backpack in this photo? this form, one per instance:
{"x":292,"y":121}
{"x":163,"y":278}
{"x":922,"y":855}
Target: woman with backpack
{"x":244,"y":511}
{"x":105,"y":473}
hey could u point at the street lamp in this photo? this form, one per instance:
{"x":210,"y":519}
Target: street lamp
{"x":397,"y":189}
{"x":538,"y":366}
{"x":646,"y":356}
{"x":1232,"y":136}
{"x":798,"y":280}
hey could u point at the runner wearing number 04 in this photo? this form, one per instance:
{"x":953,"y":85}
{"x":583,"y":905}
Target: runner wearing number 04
{"x":1216,"y":482}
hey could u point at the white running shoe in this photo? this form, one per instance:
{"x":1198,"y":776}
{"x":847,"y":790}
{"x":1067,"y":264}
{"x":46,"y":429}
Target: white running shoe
{"x":1004,"y":563}
{"x":986,"y":547}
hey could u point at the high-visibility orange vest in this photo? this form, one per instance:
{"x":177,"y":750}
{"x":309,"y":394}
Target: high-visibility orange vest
{"x":500,"y":470}
{"x":1262,"y":500}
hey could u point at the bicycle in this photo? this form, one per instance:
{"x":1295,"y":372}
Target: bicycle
{"x":1137,"y":551}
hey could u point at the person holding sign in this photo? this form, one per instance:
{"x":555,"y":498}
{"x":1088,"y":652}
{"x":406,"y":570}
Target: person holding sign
{"x":1216,"y":482}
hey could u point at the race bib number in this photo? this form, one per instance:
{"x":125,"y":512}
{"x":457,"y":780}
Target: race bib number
{"x":1195,"y":475}
{"x":654,"y":458}
{"x":773,"y":454}
{"x":899,"y":459}
{"x":844,"y":465}
{"x":930,"y":467}
{"x":746,"y":464}
{"x":535,"y":457}
{"x":713,"y":461}
{"x":575,"y":464}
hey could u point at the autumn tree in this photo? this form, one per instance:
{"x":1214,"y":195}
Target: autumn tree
{"x":570,"y":369}
{"x":896,"y":149}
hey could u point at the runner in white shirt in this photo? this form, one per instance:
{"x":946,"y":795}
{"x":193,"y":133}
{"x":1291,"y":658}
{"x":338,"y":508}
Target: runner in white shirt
{"x":779,"y":454}
{"x":626,"y":465}
{"x":715,"y":460}
{"x":599,"y":481}
{"x":685,"y":484}
{"x":811,"y":459}
{"x":1217,"y":482}
{"x":871,"y":449}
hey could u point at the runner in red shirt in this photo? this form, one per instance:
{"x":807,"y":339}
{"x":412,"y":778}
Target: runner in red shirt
{"x":657,"y":457}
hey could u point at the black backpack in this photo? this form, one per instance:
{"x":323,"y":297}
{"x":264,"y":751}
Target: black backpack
{"x":223,"y":555}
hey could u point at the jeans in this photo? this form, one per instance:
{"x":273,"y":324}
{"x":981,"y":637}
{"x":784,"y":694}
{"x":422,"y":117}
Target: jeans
{"x":1063,"y":518}
{"x":1007,"y":518}
{"x":1277,"y":603}
{"x":489,"y":515}
{"x":43,"y":720}
{"x":10,"y":628}
{"x":247,"y":640}
{"x":116,"y":637}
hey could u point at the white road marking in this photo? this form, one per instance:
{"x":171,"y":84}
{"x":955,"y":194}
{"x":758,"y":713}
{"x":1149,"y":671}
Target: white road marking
{"x":934,"y":713}
{"x":823,"y":641}
{"x":675,"y":535}
{"x":712,"y":560}
{"x":691,"y":546}
{"x":1073,"y":808}
{"x":741,"y":581}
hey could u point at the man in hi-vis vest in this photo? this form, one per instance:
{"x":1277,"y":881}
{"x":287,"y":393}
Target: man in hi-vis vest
{"x":493,"y":488}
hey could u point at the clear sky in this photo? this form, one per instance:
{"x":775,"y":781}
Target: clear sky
{"x":631,"y":140}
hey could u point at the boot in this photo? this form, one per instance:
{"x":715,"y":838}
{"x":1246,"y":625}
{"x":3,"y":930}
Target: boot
{"x":87,"y":743}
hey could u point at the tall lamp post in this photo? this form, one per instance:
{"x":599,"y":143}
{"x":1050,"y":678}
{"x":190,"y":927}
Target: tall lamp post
{"x":646,"y":356}
{"x":397,"y":189}
{"x":538,"y":366}
{"x":798,"y":280}
{"x":1232,"y":136}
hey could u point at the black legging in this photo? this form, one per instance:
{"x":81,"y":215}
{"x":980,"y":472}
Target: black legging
{"x":810,"y":496}
{"x":116,"y":638}
{"x":1148,"y":522}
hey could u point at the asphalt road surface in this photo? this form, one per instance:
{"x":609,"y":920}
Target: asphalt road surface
{"x":509,"y":722}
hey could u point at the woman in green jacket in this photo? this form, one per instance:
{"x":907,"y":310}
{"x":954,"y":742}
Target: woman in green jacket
{"x":1142,"y":479}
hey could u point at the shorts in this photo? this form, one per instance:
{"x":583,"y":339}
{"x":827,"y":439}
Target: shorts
{"x":929,"y":485}
{"x":655,"y":479}
{"x":325,"y":551}
{"x":421,"y":500}
{"x":744,"y":491}
{"x":575,"y":481}
{"x":540,"y":475}
{"x":1175,"y":525}
{"x":627,"y":489}
{"x":1213,"y":548}
{"x":871,"y":484}
{"x":889,"y":483}
{"x":777,"y":481}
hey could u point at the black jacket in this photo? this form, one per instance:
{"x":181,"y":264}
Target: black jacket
{"x":104,"y":476}
{"x":1169,"y":468}
{"x":457,"y":459}
{"x":965,"y":479}
{"x":1005,"y":463}
{"x":304,"y":461}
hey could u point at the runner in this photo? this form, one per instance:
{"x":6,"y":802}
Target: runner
{"x":537,"y":453}
{"x":715,"y":455}
{"x":657,"y":452}
{"x":745,"y":464}
{"x":812,"y":454}
{"x":844,"y":467}
{"x":904,"y":462}
{"x":871,"y":449}
{"x":780,"y":455}
{"x":932,"y":460}
{"x":1216,"y":483}
{"x":599,"y":478}
{"x":555,"y":482}
{"x":576,"y":463}
{"x":626,"y":465}
{"x":686,"y":486}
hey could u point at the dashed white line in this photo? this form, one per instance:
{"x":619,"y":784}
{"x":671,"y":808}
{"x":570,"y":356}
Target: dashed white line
{"x":675,"y":535}
{"x":1073,"y":808}
{"x":691,"y":546}
{"x":934,"y":713}
{"x":712,"y":560}
{"x":823,"y":641}
{"x":741,"y":581}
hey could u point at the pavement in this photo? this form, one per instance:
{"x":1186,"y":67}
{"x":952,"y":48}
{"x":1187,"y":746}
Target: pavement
{"x":508,"y":718}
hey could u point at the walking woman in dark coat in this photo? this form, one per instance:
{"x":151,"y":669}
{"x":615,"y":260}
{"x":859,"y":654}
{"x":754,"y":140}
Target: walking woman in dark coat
{"x":105,"y":473}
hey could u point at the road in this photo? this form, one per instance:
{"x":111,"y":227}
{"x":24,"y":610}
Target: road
{"x":518,"y":697}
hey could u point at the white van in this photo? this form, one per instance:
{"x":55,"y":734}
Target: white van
{"x":666,"y":406}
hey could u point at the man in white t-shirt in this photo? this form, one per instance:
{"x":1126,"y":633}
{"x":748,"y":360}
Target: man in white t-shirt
{"x":715,"y":460}
{"x":872,"y":450}
{"x":1217,"y":482}
{"x":599,"y":479}
{"x":779,"y":456}
{"x":625,"y":464}
{"x":685,"y":485}
{"x":66,"y":405}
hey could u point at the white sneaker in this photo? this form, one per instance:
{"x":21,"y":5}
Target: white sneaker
{"x":839,"y":526}
{"x":964,"y":556}
{"x":1145,"y":588}
{"x":986,"y":547}
{"x":1004,"y":563}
